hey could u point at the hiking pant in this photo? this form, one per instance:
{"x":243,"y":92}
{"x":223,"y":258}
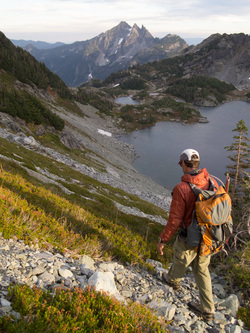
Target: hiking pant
{"x":185,"y":255}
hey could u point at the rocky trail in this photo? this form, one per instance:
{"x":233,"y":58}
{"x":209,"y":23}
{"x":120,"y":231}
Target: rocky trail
{"x":23,"y":264}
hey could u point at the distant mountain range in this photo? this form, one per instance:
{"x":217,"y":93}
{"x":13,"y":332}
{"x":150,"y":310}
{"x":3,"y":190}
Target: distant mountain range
{"x":39,"y":44}
{"x":225,"y":57}
{"x":116,"y":49}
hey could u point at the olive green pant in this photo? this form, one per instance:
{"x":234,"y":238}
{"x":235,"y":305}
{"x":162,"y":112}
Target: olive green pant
{"x":184,"y":256}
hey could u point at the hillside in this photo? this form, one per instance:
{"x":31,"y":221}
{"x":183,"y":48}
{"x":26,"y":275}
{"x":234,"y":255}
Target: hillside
{"x":27,"y":69}
{"x":85,"y":146}
{"x":74,"y":211}
{"x":225,"y":57}
{"x":69,"y":190}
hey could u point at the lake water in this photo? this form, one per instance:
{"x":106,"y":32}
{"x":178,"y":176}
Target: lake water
{"x":126,"y":100}
{"x":159,"y":147}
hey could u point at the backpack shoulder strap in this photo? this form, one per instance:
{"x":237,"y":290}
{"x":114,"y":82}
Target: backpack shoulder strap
{"x":195,"y":189}
{"x":211,"y":184}
{"x":206,"y":193}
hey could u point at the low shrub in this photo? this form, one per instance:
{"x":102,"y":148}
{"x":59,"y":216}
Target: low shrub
{"x":67,"y":311}
{"x":244,"y":314}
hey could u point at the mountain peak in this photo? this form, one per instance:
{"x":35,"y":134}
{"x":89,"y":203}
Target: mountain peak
{"x":123,"y":24}
{"x":106,"y":53}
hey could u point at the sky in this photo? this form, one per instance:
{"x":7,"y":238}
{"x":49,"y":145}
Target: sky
{"x":68,"y":21}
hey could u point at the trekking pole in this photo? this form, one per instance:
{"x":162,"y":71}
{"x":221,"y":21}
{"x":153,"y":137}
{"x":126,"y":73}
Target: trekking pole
{"x":227,"y":183}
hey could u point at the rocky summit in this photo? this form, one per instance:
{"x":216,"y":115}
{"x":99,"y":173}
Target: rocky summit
{"x":109,"y":52}
{"x":23,"y":264}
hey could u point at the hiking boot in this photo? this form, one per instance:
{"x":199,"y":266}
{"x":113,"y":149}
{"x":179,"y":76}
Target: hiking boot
{"x":175,"y":286}
{"x":197,"y":308}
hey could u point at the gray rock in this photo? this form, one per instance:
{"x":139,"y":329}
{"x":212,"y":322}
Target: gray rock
{"x":231,"y":304}
{"x":23,"y":264}
{"x":163,"y":308}
{"x":107,"y":266}
{"x":37,"y":271}
{"x":44,"y":255}
{"x":86,"y":271}
{"x":89,"y":262}
{"x":103,"y":281}
{"x":65,"y":273}
{"x":154,"y":263}
{"x":16,"y":315}
{"x":219,"y":290}
{"x":176,"y":329}
{"x":220,"y":318}
{"x":4,"y":302}
{"x":47,"y":278}
{"x":235,"y":329}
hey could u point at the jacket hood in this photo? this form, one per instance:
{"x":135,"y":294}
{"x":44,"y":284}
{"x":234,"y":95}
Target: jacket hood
{"x":201,"y":179}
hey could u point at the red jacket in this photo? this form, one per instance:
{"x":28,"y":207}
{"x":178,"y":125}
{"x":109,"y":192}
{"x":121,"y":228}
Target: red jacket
{"x":183,"y":202}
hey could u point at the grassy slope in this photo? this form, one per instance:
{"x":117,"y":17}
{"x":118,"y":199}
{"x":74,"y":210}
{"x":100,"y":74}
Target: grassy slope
{"x":85,"y":222}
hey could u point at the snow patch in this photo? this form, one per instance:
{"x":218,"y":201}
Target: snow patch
{"x":104,"y":132}
{"x":130,"y":31}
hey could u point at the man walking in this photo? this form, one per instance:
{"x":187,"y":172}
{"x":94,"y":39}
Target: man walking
{"x":180,"y":216}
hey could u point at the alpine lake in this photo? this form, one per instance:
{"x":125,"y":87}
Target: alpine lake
{"x":158,"y":147}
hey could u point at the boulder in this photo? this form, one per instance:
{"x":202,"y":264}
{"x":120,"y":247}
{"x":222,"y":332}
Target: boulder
{"x":103,"y":281}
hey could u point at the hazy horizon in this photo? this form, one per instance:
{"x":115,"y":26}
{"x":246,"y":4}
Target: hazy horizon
{"x":76,"y":20}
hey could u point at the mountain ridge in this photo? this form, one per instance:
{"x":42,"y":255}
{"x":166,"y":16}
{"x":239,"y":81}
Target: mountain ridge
{"x":106,"y":53}
{"x":37,"y":44}
{"x":225,"y":57}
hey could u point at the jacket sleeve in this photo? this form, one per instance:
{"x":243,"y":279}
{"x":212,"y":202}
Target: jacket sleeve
{"x":176,"y":215}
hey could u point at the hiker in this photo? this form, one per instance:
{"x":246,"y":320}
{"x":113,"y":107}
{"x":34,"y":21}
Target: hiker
{"x":180,"y":216}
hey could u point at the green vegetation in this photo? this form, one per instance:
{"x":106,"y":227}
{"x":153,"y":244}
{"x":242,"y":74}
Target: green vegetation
{"x":27,"y":107}
{"x":133,"y":83}
{"x":77,"y":213}
{"x":76,"y":311}
{"x":165,"y":68}
{"x":88,"y":218}
{"x":85,"y":222}
{"x":244,"y":315}
{"x":240,"y":152}
{"x":200,"y":87}
{"x":112,"y":78}
{"x":96,"y":98}
{"x":184,"y":111}
{"x":236,"y":269}
{"x":144,"y":115}
{"x":236,"y":266}
{"x":239,"y":191}
{"x":28,"y":70}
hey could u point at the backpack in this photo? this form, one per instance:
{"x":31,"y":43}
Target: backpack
{"x":211,"y":224}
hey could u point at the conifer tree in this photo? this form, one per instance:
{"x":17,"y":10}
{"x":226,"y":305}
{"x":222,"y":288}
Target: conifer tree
{"x":239,"y":172}
{"x":240,"y":156}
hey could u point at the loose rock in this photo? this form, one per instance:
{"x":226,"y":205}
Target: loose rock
{"x":20,"y":263}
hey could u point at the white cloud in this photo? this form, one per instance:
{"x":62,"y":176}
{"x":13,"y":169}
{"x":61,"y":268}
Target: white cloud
{"x":73,"y":20}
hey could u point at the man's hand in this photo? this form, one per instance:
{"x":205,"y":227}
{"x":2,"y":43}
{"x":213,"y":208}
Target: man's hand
{"x":160,"y":247}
